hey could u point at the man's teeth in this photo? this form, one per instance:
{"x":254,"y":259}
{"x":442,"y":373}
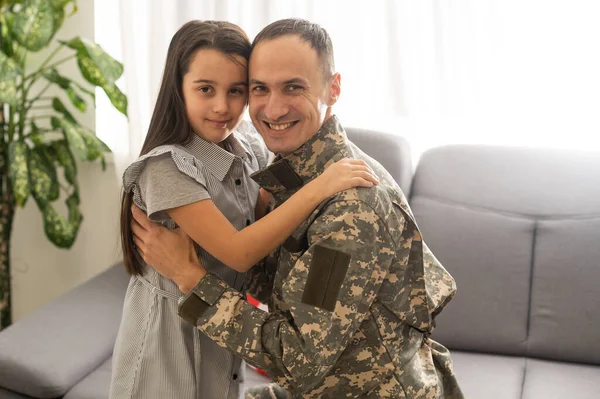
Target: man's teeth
{"x":279,"y":127}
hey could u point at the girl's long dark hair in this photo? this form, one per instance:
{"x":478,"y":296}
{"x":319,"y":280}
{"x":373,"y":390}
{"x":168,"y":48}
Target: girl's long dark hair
{"x":169,"y":123}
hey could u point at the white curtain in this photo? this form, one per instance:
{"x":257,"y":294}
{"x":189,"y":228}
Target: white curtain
{"x":437,"y":72}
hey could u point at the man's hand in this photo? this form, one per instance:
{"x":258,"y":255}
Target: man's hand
{"x":171,"y":253}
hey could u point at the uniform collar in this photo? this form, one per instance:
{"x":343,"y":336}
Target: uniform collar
{"x":285,"y":175}
{"x":217,"y":160}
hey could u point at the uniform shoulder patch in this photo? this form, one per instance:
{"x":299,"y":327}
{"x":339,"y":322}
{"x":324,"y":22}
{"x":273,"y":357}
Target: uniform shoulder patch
{"x":325,"y":277}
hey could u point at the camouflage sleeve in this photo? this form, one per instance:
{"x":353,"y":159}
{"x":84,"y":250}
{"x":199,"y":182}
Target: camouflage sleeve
{"x":259,"y":279}
{"x":324,"y":298}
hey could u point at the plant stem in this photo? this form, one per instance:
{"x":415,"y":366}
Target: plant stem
{"x":34,"y":75}
{"x":66,"y":189}
{"x":39,"y":96}
{"x":39,"y":117}
{"x":7,"y":212}
{"x":46,"y":61}
{"x":23,"y":109}
{"x":60,"y":62}
{"x":11,"y":123}
{"x":6,"y":218}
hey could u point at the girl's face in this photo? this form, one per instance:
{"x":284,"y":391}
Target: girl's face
{"x":215,"y":91}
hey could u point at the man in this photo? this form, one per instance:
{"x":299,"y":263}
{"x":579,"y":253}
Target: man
{"x":354,"y":291}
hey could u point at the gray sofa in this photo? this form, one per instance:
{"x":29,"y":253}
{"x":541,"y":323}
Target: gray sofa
{"x":518,"y":229}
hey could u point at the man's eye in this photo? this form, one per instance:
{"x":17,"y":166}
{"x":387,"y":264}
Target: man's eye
{"x":205,"y":89}
{"x":293,"y":88}
{"x":258,"y":89}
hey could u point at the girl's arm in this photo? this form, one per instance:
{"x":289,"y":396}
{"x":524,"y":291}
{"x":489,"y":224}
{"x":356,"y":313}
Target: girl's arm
{"x":241,"y":250}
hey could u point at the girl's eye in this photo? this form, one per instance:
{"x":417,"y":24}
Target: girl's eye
{"x":236,"y":91}
{"x":205,"y":89}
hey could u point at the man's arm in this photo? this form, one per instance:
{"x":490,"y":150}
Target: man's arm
{"x":260,"y":278}
{"x":327,"y":294}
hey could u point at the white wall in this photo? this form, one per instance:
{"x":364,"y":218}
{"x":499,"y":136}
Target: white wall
{"x":42,"y":272}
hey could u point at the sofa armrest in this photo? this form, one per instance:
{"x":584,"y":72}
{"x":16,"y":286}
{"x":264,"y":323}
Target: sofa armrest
{"x":44,"y":354}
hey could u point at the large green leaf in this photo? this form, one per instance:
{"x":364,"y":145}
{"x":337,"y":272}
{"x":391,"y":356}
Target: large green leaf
{"x":9,"y":70}
{"x":73,"y":137}
{"x":18,"y":154}
{"x":95,"y":146}
{"x":63,"y":3}
{"x":58,"y":18}
{"x":96,"y":66}
{"x":66,"y":160}
{"x":33,"y":25}
{"x":34,"y":135}
{"x":8,"y":92}
{"x":76,"y":99}
{"x":60,"y":107}
{"x":54,"y":77}
{"x":6,"y":19}
{"x":86,"y":91}
{"x":42,"y":177}
{"x":100,"y":69}
{"x":85,"y":144}
{"x":60,"y":231}
{"x":117,"y":98}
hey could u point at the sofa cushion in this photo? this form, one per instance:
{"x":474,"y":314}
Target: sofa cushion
{"x":554,"y":380}
{"x":391,"y":151}
{"x":95,"y":385}
{"x":529,"y":182}
{"x":518,"y":229}
{"x":489,"y":255}
{"x":565,"y":316}
{"x":489,"y":376}
{"x":4,"y":394}
{"x":44,"y":354}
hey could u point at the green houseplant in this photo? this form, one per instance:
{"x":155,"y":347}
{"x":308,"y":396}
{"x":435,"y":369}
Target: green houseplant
{"x":40,"y":139}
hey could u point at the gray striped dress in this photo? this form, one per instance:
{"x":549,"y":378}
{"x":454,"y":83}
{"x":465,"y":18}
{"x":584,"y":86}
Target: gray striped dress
{"x":157,"y":354}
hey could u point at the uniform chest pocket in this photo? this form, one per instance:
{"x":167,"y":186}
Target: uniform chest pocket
{"x":325,"y":277}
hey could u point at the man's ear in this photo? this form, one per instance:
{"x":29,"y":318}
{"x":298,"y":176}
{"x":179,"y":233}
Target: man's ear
{"x":335,"y":90}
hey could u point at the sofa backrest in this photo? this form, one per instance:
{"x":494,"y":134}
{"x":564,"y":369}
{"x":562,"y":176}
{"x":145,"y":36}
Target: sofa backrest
{"x":391,"y":151}
{"x":519,"y":229}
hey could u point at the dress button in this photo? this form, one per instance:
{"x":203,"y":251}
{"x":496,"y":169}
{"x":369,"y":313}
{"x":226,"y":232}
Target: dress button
{"x":235,"y":377}
{"x":238,"y":182}
{"x":247,"y":222}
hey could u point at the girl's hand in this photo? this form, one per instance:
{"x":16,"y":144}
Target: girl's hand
{"x":345,"y":174}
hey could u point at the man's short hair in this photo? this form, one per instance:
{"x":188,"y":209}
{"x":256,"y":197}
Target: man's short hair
{"x":314,"y":34}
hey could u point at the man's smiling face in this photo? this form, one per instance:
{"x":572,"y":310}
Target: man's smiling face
{"x":290,"y":97}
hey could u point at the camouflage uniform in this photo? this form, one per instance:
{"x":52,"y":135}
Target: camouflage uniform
{"x":352,"y":293}
{"x":271,"y":391}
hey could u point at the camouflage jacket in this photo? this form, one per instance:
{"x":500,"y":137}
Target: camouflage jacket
{"x":352,"y":293}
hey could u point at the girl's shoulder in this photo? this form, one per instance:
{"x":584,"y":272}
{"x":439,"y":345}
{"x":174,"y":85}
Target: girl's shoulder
{"x":247,"y":134}
{"x":171,"y":155}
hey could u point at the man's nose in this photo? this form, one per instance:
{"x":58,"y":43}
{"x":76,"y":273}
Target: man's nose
{"x":275,"y":107}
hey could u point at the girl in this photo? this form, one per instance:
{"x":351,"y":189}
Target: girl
{"x":195,"y":164}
